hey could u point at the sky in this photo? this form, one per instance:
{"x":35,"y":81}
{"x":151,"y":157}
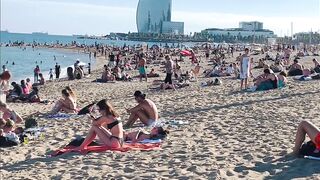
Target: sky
{"x":100,"y":17}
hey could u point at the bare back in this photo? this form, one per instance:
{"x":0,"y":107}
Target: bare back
{"x":150,"y":109}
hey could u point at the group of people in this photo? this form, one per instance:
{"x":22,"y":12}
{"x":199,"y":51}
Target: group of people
{"x":25,"y":91}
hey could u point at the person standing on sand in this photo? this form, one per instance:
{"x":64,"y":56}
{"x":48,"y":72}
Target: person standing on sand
{"x":51,"y":74}
{"x":169,"y":70}
{"x":146,"y":111}
{"x":57,"y":70}
{"x":245,"y":68}
{"x":142,"y":67}
{"x":36,"y":73}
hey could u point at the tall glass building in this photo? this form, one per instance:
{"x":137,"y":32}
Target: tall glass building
{"x":151,"y":14}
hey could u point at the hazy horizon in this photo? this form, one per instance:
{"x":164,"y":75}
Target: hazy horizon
{"x":100,"y":17}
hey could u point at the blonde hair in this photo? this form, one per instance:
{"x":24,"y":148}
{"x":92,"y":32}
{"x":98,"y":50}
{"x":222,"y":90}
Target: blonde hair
{"x":71,"y":92}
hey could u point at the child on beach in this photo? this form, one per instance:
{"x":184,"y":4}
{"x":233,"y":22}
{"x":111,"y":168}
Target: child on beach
{"x":51,"y":74}
{"x":138,"y":136}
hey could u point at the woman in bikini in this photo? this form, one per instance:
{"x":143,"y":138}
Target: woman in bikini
{"x":107,"y":127}
{"x":137,"y":136}
{"x":66,"y":104}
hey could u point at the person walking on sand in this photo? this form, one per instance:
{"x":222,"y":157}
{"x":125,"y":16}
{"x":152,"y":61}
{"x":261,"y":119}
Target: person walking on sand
{"x":142,"y":67}
{"x":146,"y":111}
{"x":245,"y":68}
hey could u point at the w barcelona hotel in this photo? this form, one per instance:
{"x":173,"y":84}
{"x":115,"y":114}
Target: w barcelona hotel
{"x":154,"y":16}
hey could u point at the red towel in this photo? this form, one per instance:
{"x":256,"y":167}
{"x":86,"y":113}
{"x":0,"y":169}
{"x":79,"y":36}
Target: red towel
{"x":124,"y":148}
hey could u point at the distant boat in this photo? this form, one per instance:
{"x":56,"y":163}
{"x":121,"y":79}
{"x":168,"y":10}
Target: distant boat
{"x":40,"y":33}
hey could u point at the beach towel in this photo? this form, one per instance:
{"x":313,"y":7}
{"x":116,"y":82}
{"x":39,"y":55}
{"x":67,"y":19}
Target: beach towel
{"x":95,"y":147}
{"x":61,"y":116}
{"x":148,"y":141}
{"x":303,"y":78}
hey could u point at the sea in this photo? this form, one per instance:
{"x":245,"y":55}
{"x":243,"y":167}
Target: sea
{"x":22,"y":61}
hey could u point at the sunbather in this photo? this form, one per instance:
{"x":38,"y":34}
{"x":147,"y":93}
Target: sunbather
{"x":306,"y":128}
{"x":137,"y":136}
{"x":295,"y":69}
{"x":107,"y":127}
{"x":146,"y":111}
{"x":66,"y":104}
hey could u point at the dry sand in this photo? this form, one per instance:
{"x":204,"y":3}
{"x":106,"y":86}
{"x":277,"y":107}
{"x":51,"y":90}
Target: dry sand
{"x":232,"y":135}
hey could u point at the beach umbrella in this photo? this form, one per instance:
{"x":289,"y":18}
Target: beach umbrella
{"x":185,"y":53}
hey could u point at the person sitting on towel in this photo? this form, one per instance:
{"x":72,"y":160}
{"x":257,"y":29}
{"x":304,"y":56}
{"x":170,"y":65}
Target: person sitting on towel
{"x":107,"y":127}
{"x":66,"y":104}
{"x":138,"y":136}
{"x":266,"y":81}
{"x":306,"y":128}
{"x":146,"y":111}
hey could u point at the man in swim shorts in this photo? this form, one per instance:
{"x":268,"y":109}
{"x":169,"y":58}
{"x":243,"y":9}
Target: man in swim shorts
{"x":146,"y":111}
{"x":142,"y":68}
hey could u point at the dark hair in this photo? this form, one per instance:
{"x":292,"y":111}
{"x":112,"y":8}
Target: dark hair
{"x":139,"y":94}
{"x":296,"y":61}
{"x":65,"y":92}
{"x":246,"y":49}
{"x":267,"y":71}
{"x":162,"y":133}
{"x":23,"y":83}
{"x":283,"y":73}
{"x":106,"y":106}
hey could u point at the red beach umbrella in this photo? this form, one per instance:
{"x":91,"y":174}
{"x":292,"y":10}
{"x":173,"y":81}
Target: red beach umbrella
{"x":185,"y":53}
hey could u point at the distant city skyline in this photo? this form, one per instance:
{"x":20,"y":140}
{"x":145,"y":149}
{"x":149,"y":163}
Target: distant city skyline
{"x":100,"y":17}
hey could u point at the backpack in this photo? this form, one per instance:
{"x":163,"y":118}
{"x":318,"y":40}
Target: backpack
{"x":30,"y":123}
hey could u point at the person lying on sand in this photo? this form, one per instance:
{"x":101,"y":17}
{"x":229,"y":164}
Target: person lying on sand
{"x":66,"y":104}
{"x":137,"y":136}
{"x":146,"y":111}
{"x":9,"y":114}
{"x":107,"y":127}
{"x":306,"y":128}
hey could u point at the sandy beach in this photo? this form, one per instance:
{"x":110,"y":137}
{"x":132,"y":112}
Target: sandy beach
{"x":231,"y":135}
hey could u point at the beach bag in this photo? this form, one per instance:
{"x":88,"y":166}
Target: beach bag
{"x":308,"y":149}
{"x":30,"y":123}
{"x":5,"y":142}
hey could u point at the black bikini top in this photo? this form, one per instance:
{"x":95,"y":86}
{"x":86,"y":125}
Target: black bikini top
{"x":113,"y":124}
